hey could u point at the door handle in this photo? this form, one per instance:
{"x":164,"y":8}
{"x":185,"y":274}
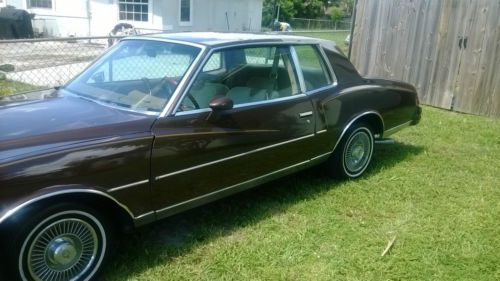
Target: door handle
{"x":305,"y":114}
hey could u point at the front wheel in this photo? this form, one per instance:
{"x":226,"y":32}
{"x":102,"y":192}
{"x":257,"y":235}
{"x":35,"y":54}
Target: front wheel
{"x":60,"y":243}
{"x":353,"y":154}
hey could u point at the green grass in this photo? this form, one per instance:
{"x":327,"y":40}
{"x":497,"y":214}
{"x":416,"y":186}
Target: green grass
{"x":8,"y":87}
{"x":437,"y":189}
{"x":337,"y":37}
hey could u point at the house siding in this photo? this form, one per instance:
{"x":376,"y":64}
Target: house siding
{"x":98,"y":17}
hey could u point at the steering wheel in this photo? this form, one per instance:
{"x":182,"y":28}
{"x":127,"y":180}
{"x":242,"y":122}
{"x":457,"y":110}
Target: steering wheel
{"x":193,"y":100}
{"x":165,"y":88}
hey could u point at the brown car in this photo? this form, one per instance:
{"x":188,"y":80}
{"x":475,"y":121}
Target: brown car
{"x":146,"y":131}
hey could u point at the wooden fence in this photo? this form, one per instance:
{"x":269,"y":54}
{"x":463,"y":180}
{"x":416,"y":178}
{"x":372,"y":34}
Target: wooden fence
{"x":448,"y":49}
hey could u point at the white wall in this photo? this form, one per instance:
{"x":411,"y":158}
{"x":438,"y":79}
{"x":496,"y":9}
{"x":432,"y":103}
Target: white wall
{"x":71,"y":17}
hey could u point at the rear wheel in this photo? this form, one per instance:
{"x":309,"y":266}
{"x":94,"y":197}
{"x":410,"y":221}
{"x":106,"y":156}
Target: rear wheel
{"x":353,"y":154}
{"x":65,"y":242}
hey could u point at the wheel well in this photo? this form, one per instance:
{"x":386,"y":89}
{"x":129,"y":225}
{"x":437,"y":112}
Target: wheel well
{"x":116,"y":214}
{"x":375,"y":123}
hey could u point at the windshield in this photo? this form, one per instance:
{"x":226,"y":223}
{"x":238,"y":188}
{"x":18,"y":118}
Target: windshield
{"x":139,"y":75}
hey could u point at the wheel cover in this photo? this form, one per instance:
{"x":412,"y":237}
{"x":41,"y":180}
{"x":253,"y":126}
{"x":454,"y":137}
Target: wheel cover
{"x":358,"y":152}
{"x":66,"y":249}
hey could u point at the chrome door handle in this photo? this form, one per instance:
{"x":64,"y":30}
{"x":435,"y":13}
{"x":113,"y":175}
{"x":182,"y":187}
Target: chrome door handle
{"x":305,"y":114}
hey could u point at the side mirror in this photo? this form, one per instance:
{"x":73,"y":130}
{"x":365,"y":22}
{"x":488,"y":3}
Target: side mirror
{"x":220,"y":103}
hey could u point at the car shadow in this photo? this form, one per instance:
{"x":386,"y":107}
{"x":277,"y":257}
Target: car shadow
{"x":178,"y":235}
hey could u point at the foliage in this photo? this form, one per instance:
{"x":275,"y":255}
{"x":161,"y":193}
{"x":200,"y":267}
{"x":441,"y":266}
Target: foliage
{"x":336,"y":13}
{"x":291,"y":8}
{"x":8,"y":87}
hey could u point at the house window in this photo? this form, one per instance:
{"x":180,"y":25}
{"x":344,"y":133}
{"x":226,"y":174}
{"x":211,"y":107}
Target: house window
{"x":46,"y":4}
{"x":134,"y":10}
{"x":185,"y":12}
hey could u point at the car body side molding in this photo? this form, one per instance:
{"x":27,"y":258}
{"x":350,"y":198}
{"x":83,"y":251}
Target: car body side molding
{"x":12,"y":211}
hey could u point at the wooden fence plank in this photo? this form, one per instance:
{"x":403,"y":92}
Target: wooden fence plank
{"x":418,"y":41}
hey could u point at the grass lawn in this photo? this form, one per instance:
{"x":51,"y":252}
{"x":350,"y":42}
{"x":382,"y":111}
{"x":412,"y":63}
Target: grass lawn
{"x":437,"y":190}
{"x":338,"y":37}
{"x":8,"y":87}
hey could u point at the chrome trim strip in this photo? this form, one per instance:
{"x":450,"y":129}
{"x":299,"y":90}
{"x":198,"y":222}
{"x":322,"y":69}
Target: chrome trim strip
{"x":321,"y":132}
{"x":139,"y":217}
{"x":333,"y":77}
{"x":352,"y":122}
{"x":397,"y":128}
{"x":12,"y":211}
{"x":269,"y":101}
{"x":127,"y":185}
{"x":305,"y":114}
{"x":163,"y":39}
{"x":181,"y":89}
{"x":298,"y":70}
{"x":231,"y":187}
{"x":230,"y":157}
{"x":321,"y":156}
{"x":194,"y":111}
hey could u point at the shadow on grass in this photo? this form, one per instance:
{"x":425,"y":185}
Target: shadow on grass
{"x":176,"y":236}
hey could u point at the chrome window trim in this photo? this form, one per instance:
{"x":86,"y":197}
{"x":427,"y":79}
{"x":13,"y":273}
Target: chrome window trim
{"x":321,"y":132}
{"x":211,"y":51}
{"x":333,"y":77}
{"x":114,"y":189}
{"x":329,"y":70}
{"x":187,"y":74}
{"x":242,"y":105}
{"x":15,"y":209}
{"x":354,"y":120}
{"x":189,"y":84}
{"x":298,"y":69}
{"x":230,"y":157}
{"x":269,"y":101}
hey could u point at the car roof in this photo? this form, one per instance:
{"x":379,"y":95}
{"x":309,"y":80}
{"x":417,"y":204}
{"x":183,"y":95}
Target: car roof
{"x":215,"y":39}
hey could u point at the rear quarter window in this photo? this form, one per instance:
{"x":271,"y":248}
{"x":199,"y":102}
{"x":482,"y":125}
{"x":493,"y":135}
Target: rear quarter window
{"x":313,"y":67}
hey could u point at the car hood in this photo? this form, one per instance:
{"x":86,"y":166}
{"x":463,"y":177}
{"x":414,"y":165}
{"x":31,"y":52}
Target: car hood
{"x":45,"y":119}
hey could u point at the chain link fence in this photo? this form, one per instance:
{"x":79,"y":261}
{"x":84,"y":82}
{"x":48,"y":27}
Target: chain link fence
{"x":318,"y":24}
{"x":44,"y":63}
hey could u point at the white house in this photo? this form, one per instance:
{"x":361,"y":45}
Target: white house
{"x":97,"y":17}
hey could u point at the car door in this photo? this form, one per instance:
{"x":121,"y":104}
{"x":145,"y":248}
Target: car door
{"x":200,"y":155}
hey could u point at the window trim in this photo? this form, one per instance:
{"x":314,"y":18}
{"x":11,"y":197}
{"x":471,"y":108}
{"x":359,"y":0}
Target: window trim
{"x":329,"y":71}
{"x":150,"y":14}
{"x":52,"y":6}
{"x":211,"y":51}
{"x":186,"y":23}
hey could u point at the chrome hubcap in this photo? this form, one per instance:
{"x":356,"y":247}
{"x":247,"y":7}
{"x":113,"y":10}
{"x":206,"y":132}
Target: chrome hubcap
{"x":64,"y":250}
{"x":358,"y":152}
{"x":62,"y":253}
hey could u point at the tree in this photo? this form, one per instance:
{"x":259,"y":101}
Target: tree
{"x":336,"y":13}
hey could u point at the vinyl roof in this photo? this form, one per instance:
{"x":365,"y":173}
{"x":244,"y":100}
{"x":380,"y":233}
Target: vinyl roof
{"x":223,"y":38}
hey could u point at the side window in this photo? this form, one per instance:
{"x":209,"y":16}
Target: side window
{"x":313,"y":67}
{"x":246,"y":75}
{"x":213,"y":63}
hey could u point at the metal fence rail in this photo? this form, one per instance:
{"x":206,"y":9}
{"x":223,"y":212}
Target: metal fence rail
{"x":317,"y":24}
